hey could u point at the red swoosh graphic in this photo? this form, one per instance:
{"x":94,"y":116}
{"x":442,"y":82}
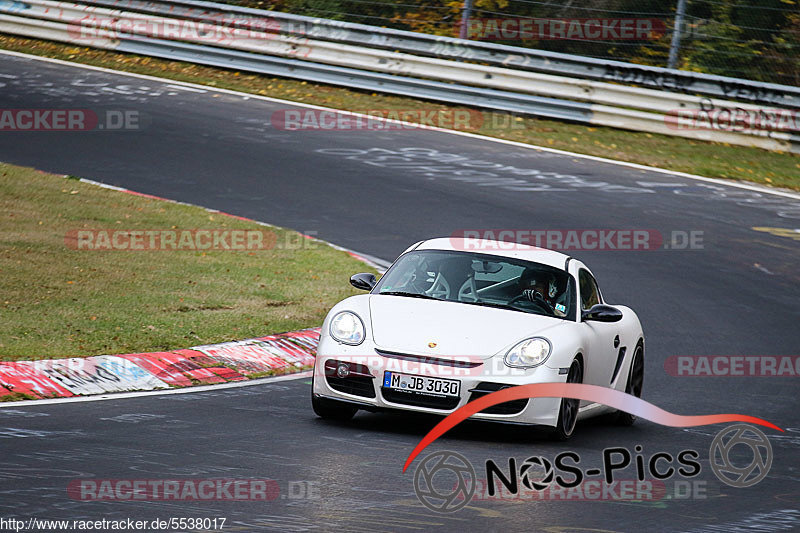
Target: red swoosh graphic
{"x":593,"y":393}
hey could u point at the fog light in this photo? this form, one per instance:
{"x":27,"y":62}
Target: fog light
{"x":343,"y":370}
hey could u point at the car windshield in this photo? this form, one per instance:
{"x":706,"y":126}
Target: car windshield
{"x":481,"y":279}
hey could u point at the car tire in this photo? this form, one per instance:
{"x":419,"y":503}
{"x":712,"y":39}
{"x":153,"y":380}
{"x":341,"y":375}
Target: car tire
{"x":568,"y":411}
{"x":634,"y":384}
{"x":331,"y":409}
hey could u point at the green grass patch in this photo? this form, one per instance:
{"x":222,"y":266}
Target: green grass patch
{"x":279,"y":372}
{"x":713,"y":160}
{"x":16,"y":397}
{"x":59,"y":301}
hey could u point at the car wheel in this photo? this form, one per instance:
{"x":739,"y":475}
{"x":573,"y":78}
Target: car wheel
{"x":634,"y":385}
{"x":568,"y":413}
{"x":331,"y":409}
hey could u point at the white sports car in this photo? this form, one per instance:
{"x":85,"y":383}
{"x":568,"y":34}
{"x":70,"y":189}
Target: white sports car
{"x":455,"y":319}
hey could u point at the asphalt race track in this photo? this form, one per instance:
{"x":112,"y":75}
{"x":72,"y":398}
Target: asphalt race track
{"x":378,"y":192}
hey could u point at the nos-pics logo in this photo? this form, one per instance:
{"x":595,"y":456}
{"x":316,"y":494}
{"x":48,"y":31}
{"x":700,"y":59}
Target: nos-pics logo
{"x":445,"y":481}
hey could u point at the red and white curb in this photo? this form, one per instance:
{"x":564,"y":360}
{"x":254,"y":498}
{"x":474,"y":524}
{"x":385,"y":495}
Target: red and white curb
{"x":283,"y":353}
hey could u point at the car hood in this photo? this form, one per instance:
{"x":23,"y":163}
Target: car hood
{"x":408,"y":325}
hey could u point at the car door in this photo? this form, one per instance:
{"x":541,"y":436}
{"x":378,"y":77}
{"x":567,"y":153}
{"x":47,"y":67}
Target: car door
{"x":601,"y":339}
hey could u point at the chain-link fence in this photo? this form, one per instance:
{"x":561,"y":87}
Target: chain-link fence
{"x":751,"y":39}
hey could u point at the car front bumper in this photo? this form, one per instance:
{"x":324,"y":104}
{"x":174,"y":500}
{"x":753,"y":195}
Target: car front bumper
{"x":363,"y":384}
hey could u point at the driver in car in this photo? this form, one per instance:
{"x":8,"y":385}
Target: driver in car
{"x":541,"y":287}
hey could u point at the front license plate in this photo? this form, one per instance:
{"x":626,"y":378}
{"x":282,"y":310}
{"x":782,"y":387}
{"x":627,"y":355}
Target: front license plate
{"x":421,"y":384}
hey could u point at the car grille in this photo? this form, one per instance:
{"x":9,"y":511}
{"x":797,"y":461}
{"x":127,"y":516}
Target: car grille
{"x":506,"y":408}
{"x":358,"y":382}
{"x":417,"y":399}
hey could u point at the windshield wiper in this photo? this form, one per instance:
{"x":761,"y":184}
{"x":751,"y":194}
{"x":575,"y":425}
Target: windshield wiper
{"x":498,"y":306}
{"x":504,"y":306}
{"x":410,"y":295}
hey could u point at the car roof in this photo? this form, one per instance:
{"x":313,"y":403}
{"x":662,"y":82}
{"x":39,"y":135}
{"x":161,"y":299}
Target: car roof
{"x":499,"y":248}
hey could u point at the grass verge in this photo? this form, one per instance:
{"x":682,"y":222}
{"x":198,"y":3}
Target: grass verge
{"x":16,"y":397}
{"x":708,"y":159}
{"x":56,"y":300}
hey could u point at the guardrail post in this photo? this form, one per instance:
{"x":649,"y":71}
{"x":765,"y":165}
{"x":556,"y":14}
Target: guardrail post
{"x":463,"y":32}
{"x":675,"y":45}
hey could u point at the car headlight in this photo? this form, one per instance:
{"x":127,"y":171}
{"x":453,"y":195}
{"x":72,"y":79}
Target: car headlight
{"x":348,"y":328}
{"x":528,"y":353}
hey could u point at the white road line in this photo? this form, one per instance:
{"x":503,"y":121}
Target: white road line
{"x":186,"y":390}
{"x":104,"y":185}
{"x":190,"y":89}
{"x":649,"y":184}
{"x":727,"y":183}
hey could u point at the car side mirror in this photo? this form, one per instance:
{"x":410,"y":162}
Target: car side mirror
{"x":602,"y":313}
{"x":364,"y":281}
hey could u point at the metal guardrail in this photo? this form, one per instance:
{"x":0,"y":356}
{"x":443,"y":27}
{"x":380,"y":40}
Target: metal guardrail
{"x":376,"y":69}
{"x":292,"y":68}
{"x":395,"y":63}
{"x":483,"y":52}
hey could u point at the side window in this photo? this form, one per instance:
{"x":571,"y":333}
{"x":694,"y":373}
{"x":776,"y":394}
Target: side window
{"x":589,"y":293}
